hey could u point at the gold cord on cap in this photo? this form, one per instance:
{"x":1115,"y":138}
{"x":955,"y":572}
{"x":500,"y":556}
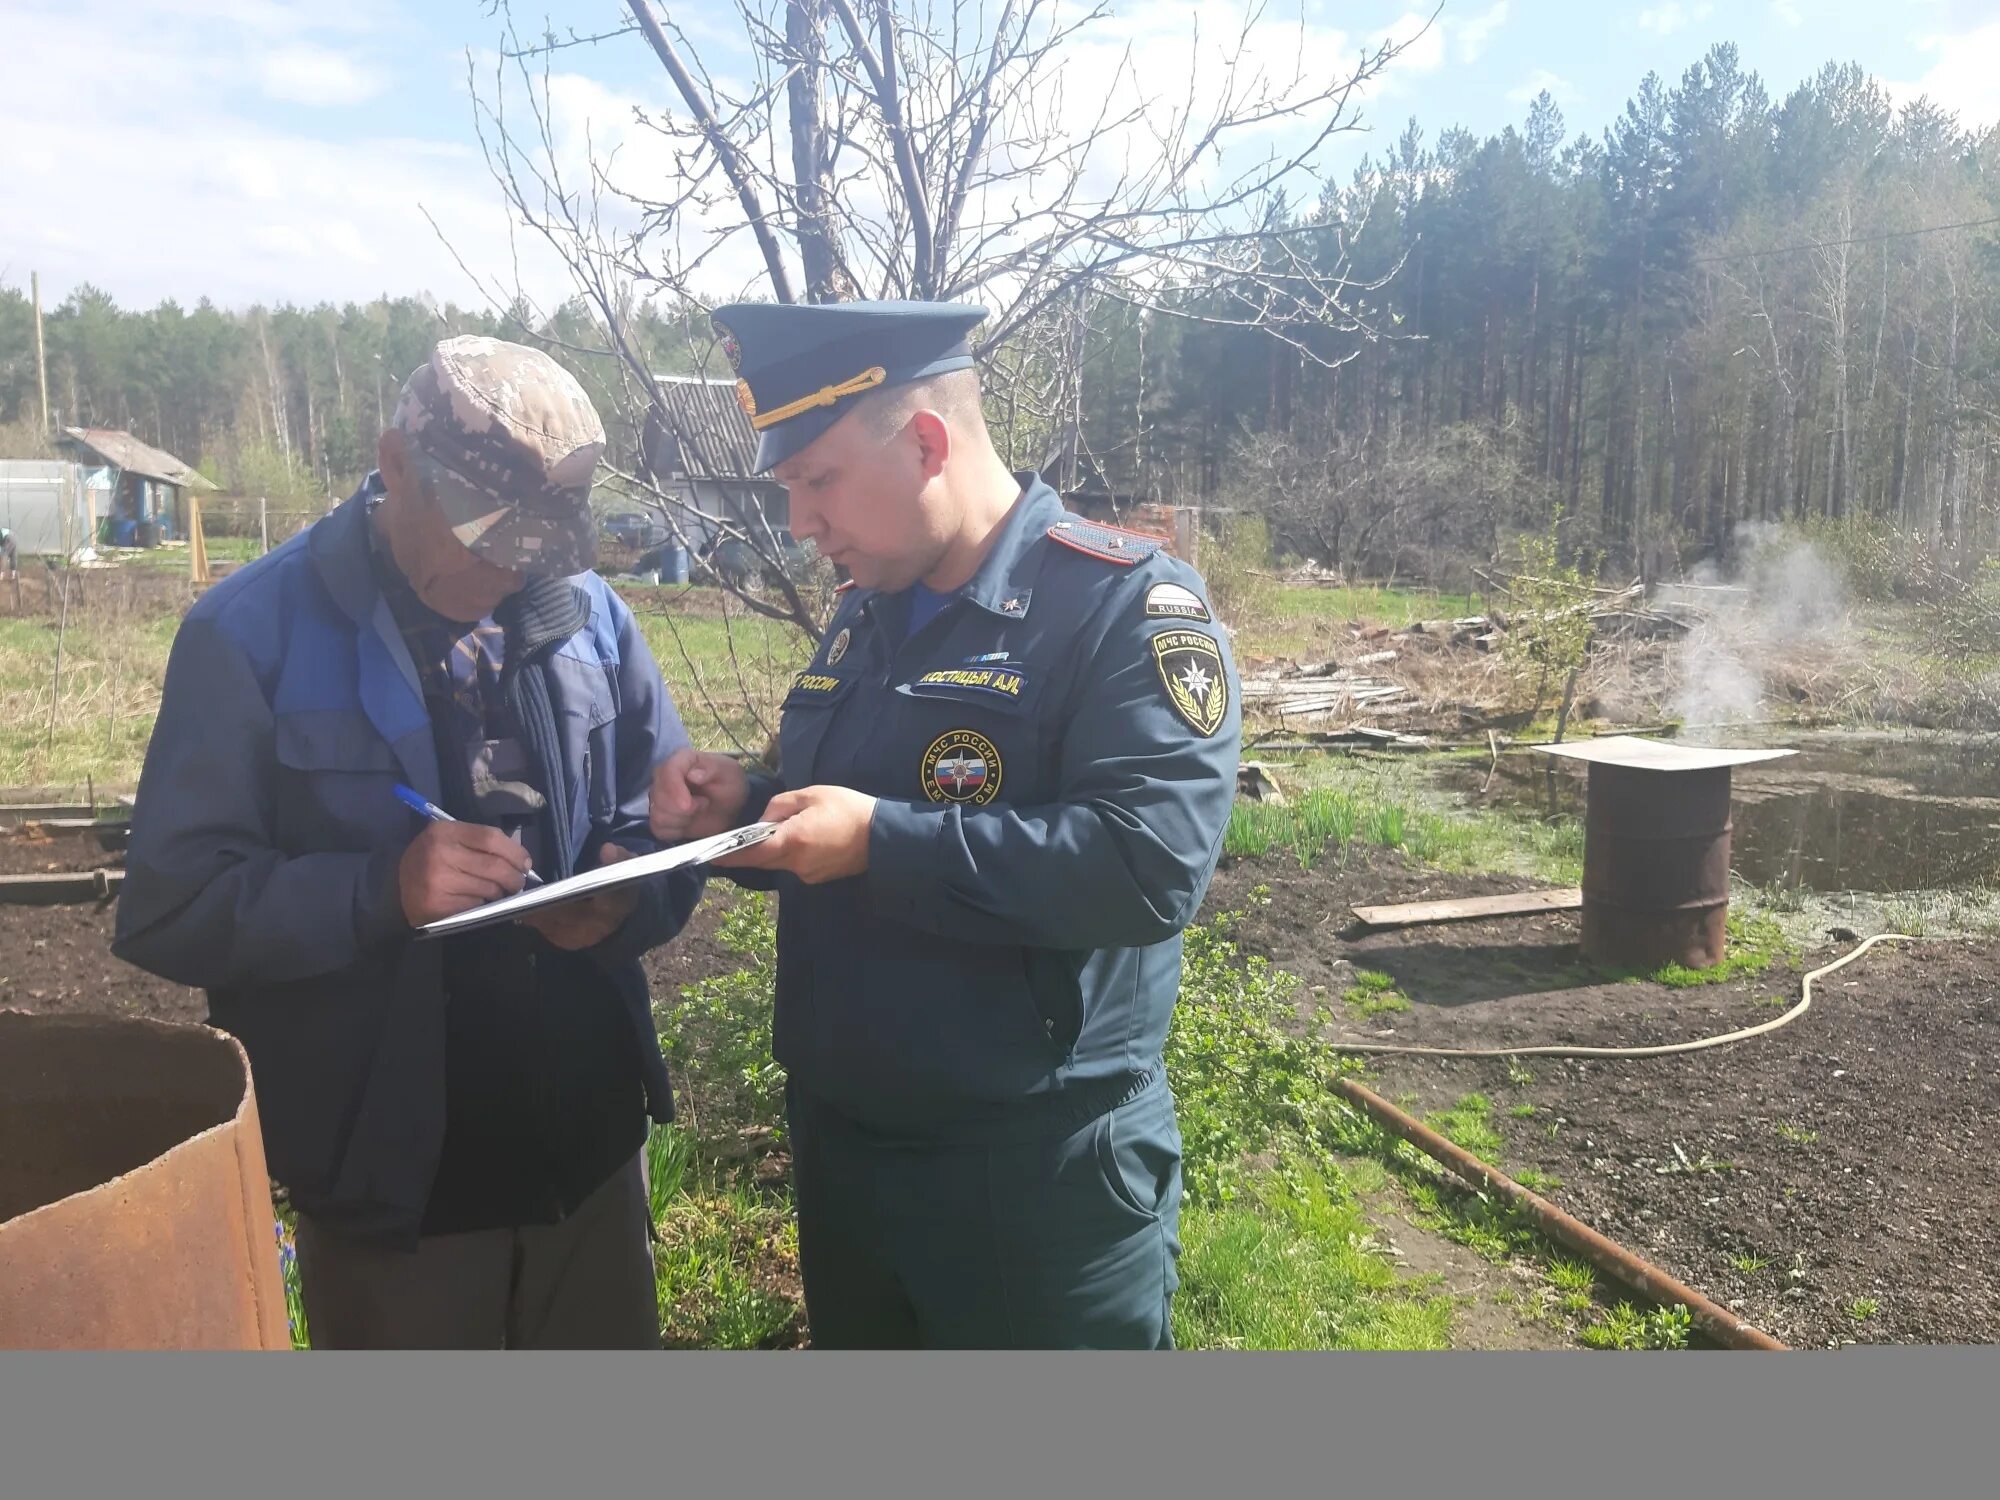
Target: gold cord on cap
{"x":826,"y":395}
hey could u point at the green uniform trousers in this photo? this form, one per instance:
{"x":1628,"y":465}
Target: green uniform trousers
{"x":1061,"y":1241}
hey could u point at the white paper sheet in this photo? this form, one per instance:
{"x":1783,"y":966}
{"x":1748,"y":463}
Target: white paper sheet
{"x":588,"y":882}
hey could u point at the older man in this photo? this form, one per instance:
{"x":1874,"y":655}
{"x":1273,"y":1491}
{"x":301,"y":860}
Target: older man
{"x":1006,"y":777}
{"x":460,"y":1123}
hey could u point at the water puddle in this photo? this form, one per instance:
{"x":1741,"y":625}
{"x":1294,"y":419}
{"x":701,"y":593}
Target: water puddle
{"x":1852,"y":811}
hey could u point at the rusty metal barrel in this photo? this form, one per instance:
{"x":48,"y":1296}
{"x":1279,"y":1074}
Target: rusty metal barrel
{"x":1656,"y":850}
{"x":135,"y":1212}
{"x":1656,"y":867}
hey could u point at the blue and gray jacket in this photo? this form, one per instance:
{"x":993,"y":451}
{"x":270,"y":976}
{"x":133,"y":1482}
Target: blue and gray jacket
{"x":264,"y":848}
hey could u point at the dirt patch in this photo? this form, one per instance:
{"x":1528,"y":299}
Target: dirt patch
{"x":56,"y":960}
{"x":31,"y":849}
{"x":696,"y":952}
{"x":1833,"y":1181}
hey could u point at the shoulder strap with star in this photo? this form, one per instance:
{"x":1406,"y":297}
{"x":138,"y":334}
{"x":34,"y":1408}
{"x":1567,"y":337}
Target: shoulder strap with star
{"x":1112,"y":544}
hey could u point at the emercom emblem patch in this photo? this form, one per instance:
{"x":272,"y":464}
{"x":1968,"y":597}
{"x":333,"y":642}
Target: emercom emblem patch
{"x":962,"y":765}
{"x":1190,"y":666}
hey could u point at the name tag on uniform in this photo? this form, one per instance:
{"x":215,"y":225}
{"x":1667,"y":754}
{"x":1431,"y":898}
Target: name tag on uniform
{"x":1001,"y":682}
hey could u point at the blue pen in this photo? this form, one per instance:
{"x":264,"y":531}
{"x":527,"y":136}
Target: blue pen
{"x":416,"y":803}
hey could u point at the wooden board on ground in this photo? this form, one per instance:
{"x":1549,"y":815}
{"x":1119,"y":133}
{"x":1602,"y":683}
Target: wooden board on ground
{"x":1421,"y":913}
{"x":58,"y":888}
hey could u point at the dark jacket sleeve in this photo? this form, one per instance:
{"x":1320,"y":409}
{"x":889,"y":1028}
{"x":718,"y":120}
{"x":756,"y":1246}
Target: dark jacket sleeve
{"x":649,"y":729}
{"x":1123,"y":854}
{"x":208,"y":900}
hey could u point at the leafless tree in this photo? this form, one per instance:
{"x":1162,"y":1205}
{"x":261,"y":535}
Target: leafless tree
{"x":1005,"y":151}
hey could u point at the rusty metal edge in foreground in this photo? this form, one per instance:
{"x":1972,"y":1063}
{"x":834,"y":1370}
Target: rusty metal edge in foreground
{"x":177,"y":1252}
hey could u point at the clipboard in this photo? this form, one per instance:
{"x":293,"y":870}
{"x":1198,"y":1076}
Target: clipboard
{"x":589,"y":882}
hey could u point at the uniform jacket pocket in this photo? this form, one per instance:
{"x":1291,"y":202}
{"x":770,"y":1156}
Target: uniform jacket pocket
{"x":806,"y":713}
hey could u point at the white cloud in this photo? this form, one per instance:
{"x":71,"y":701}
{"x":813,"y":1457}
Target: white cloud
{"x":1559,"y":88}
{"x":1421,"y":39}
{"x":317,"y":75}
{"x":255,"y":200}
{"x":1474,"y":34}
{"x":1665,"y":20}
{"x":1965,"y":76}
{"x":200,"y":190}
{"x":1788,"y":12}
{"x":1162,"y":60}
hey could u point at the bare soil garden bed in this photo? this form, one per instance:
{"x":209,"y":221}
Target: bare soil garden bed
{"x":1834,"y":1181}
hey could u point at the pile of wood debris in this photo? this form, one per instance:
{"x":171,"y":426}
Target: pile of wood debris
{"x":1392,"y":673}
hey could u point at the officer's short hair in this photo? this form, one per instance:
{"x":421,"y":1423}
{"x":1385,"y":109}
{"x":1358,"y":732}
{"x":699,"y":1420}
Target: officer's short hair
{"x":954,"y":394}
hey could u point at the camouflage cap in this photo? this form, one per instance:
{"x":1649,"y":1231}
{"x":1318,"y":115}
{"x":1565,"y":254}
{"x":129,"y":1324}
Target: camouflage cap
{"x":509,"y":443}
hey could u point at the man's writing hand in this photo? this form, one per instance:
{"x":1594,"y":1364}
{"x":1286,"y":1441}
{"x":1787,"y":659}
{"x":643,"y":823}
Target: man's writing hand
{"x":453,"y":867}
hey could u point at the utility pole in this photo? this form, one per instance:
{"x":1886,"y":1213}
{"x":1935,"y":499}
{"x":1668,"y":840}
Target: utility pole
{"x":41,"y":352}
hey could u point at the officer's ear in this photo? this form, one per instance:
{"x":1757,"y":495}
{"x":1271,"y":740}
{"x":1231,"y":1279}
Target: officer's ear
{"x":933,"y":438}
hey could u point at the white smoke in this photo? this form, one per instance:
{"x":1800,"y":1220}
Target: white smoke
{"x":1783,"y":596}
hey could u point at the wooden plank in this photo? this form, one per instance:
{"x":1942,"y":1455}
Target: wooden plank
{"x":1422,"y":913}
{"x":59,"y":888}
{"x":36,"y":811}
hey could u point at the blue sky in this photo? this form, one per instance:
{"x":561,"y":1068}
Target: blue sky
{"x":290,"y":149}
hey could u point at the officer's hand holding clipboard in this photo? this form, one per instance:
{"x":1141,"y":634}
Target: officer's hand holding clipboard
{"x":821,"y":835}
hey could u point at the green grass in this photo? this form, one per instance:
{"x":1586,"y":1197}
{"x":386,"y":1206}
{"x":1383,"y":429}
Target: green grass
{"x":728,"y":676}
{"x":1376,"y":604}
{"x":287,"y":1225}
{"x":113,"y":664}
{"x":1487,"y":1225}
{"x":1749,"y":1265}
{"x":1521,"y":1112}
{"x":1373,"y":994}
{"x":1469,"y":1124}
{"x":1326,"y":818}
{"x":173,"y":557}
{"x":1796,"y":1133}
{"x":1625,"y":1327}
{"x":1306,"y":622}
{"x":726,"y":1242}
{"x":1861,"y":1309}
{"x":1567,"y":1275}
{"x":1755,"y":942}
{"x":721,"y":1258}
{"x":1291,"y":1264}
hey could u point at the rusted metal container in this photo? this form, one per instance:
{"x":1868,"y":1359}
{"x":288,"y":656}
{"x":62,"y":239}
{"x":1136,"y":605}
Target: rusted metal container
{"x":1656,"y":850}
{"x":135,"y":1212}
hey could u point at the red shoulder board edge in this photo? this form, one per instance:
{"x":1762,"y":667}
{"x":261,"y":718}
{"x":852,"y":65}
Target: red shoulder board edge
{"x":1112,"y":544}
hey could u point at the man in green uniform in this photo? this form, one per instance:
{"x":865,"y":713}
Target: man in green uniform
{"x":1005,"y":780}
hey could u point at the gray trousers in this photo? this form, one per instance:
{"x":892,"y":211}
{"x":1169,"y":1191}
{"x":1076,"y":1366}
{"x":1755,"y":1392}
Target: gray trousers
{"x":586,"y":1283}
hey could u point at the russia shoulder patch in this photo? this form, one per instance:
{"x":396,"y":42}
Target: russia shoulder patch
{"x":1110,"y":544}
{"x":1175,"y":602}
